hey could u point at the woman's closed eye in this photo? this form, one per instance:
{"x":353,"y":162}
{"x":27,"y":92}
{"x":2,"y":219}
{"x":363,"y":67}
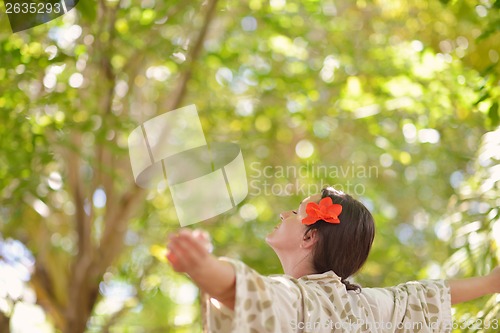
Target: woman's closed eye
{"x":294,"y":211}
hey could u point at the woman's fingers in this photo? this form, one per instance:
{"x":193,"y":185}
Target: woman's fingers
{"x":172,"y":258}
{"x":194,"y":247}
{"x":204,"y":237}
{"x":187,"y":250}
{"x":197,"y":240}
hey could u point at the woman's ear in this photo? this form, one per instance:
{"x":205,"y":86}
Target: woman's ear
{"x":310,"y":238}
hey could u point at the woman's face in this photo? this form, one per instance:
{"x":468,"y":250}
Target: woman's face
{"x":288,"y":234}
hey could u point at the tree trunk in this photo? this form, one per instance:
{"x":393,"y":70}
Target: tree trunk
{"x":93,"y":260}
{"x":4,"y":323}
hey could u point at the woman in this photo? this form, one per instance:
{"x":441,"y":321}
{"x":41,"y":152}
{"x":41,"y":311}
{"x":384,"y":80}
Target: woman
{"x":322,"y":243}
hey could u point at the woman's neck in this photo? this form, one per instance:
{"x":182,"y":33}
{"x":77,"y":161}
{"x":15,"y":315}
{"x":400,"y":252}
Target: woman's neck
{"x":297,"y":265}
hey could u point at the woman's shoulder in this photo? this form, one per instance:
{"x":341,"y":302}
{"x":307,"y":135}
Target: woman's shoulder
{"x":311,"y":279}
{"x":329,"y":275}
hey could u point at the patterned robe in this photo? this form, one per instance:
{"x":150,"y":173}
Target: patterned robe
{"x":320,"y":303}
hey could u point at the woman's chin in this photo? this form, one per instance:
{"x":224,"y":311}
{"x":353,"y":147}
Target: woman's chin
{"x":269,"y":239}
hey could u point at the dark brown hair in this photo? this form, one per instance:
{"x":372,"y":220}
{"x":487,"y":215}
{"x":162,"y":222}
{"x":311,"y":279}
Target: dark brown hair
{"x":344,"y":247}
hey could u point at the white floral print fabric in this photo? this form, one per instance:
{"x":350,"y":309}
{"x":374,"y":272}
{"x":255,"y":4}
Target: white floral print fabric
{"x":320,"y":303}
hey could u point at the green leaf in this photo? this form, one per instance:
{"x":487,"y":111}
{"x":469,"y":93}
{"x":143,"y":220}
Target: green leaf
{"x":493,"y":114}
{"x":482,"y":98}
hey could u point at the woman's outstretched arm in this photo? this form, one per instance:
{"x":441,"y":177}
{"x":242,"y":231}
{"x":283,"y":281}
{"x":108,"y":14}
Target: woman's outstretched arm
{"x":464,"y":290}
{"x":188,"y":253}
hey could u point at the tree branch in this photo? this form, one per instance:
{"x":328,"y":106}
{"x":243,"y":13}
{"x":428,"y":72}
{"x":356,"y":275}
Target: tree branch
{"x":115,"y":226}
{"x":42,"y":285}
{"x":115,"y":317}
{"x":176,"y":97}
{"x":4,"y":323}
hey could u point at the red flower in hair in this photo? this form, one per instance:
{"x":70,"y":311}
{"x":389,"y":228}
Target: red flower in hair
{"x":326,"y":211}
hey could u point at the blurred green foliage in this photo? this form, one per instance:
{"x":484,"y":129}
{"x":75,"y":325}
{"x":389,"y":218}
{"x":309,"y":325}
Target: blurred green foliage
{"x":398,"y":100}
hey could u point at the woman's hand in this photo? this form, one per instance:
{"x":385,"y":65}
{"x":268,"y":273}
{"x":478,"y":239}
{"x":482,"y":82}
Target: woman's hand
{"x":189,"y":250}
{"x":495,"y":278}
